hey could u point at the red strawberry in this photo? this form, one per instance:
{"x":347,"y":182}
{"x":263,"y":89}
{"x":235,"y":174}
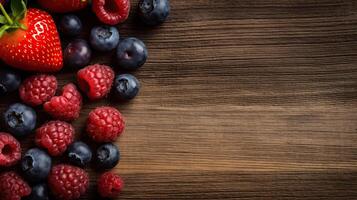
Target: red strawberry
{"x":63,"y":6}
{"x":29,"y":40}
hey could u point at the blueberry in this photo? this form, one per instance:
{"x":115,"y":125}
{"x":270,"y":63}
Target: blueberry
{"x":126,"y":87}
{"x":70,"y":25}
{"x":104,"y":38}
{"x":9,"y":81}
{"x":19,"y":119}
{"x":38,"y":192}
{"x":36,"y":165}
{"x":154,"y":12}
{"x":131,"y":53}
{"x":107,"y":156}
{"x":77,"y":54}
{"x":79,"y":153}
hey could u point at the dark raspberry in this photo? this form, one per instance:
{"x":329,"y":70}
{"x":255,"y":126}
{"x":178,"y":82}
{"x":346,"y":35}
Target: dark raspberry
{"x":105,"y":124}
{"x":96,"y":80}
{"x":111,"y":12}
{"x":67,"y":182}
{"x":38,"y":89}
{"x":55,"y":136}
{"x":110,"y":185}
{"x":10,"y":150}
{"x":13,"y":187}
{"x":67,"y":106}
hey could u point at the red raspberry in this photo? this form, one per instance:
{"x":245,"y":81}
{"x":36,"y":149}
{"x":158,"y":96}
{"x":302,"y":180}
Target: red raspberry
{"x":96,"y":80}
{"x":68,"y":182}
{"x":105,"y":124}
{"x":13,"y":187}
{"x":111,"y":11}
{"x":10,"y":150}
{"x":67,"y":106}
{"x":38,"y":89}
{"x":110,"y":185}
{"x":55,"y":136}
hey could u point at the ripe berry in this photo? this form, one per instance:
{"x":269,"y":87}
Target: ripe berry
{"x":107,"y":156}
{"x":79,"y":153}
{"x":67,"y":182}
{"x":111,"y":12}
{"x":110,"y":185}
{"x":67,"y":106}
{"x":154,"y":12}
{"x":39,"y":192}
{"x":36,"y":165}
{"x":126,"y":87}
{"x":10,"y":150}
{"x":131,"y":53}
{"x":105,"y":124}
{"x":38,"y":89}
{"x":13,"y":187}
{"x":96,"y":80}
{"x":70,"y":25}
{"x":9,"y":81}
{"x":19,"y":119}
{"x":104,"y":38}
{"x":77,"y":54}
{"x":55,"y":136}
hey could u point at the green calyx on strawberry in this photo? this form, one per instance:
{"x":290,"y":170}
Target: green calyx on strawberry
{"x":29,"y":39}
{"x":18,"y":9}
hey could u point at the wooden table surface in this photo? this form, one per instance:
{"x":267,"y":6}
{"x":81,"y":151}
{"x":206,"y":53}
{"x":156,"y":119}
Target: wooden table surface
{"x":242,"y":99}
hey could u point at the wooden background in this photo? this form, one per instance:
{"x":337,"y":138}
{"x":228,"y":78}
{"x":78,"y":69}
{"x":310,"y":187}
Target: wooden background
{"x":242,"y":99}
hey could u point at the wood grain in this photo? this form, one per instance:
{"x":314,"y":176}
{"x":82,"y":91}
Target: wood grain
{"x":248,"y":99}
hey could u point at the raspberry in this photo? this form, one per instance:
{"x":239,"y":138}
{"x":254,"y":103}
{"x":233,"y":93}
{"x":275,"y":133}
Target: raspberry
{"x":110,"y":185}
{"x":68,"y":182}
{"x":55,"y":136}
{"x":38,"y":89}
{"x":10,"y":150}
{"x":13,"y":187}
{"x":96,"y":80}
{"x":67,"y":106}
{"x":105,"y":124}
{"x":111,"y":12}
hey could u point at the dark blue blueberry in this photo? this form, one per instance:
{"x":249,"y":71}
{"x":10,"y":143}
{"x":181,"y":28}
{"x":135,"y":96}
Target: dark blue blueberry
{"x":39,"y":192}
{"x":19,"y":119}
{"x":77,"y":54}
{"x":79,"y":153}
{"x":36,"y":165}
{"x":104,"y":38}
{"x":107,"y":156}
{"x":126,"y":87}
{"x":9,"y":81}
{"x":70,"y":25}
{"x":131,"y":53}
{"x":154,"y":12}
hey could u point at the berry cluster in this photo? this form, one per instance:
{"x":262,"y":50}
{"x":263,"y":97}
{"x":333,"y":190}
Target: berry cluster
{"x":24,"y":47}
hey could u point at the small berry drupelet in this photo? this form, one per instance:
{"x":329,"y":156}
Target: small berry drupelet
{"x":116,"y":13}
{"x":55,"y":136}
{"x":105,"y":124}
{"x":67,"y":106}
{"x":13,"y":187}
{"x":38,"y":89}
{"x":10,"y":150}
{"x":110,"y":185}
{"x":96,"y":80}
{"x":67,"y":182}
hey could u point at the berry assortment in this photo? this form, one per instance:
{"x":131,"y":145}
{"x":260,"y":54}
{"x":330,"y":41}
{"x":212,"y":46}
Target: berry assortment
{"x":29,"y":41}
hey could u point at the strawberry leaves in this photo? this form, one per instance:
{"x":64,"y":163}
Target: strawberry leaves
{"x":12,"y":22}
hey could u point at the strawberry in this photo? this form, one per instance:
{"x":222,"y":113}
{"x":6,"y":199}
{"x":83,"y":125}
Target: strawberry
{"x":63,"y":6}
{"x":29,"y":39}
